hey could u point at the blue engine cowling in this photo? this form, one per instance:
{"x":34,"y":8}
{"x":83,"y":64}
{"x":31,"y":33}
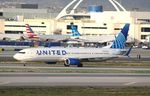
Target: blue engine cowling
{"x":72,"y":61}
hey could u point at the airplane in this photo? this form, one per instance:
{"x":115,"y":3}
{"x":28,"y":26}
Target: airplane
{"x":74,"y":55}
{"x":4,"y":36}
{"x":100,"y":39}
{"x":27,"y":35}
{"x":31,"y":35}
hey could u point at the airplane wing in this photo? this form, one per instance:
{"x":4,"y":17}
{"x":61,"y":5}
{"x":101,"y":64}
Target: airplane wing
{"x":89,"y":58}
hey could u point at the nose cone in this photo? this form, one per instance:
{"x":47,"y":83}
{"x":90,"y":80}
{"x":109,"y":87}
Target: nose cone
{"x":17,"y":57}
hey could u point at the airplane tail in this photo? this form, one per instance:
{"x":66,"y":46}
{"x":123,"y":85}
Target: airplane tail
{"x":75,"y":32}
{"x":120,"y":40}
{"x":28,"y":29}
{"x":30,"y":32}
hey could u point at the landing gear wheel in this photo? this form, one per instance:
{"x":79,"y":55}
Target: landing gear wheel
{"x":80,"y":65}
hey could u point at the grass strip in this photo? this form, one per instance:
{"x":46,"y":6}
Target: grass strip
{"x":71,"y":70}
{"x":87,"y":64}
{"x":76,"y":91}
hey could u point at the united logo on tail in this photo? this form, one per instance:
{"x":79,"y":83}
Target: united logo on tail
{"x":119,"y":42}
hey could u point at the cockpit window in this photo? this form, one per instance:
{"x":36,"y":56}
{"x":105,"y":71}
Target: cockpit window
{"x":22,"y":52}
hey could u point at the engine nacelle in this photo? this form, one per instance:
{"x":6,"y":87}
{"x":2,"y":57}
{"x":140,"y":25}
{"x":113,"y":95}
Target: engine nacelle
{"x":72,"y":61}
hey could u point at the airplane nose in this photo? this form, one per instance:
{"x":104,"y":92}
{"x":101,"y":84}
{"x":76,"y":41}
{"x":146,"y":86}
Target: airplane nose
{"x":16,"y":57}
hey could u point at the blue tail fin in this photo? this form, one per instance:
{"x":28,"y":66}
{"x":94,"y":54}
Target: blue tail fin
{"x":119,"y":42}
{"x":74,"y":31}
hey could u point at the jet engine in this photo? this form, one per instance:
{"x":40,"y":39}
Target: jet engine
{"x":73,"y":61}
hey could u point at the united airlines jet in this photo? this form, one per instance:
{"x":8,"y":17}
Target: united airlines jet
{"x":75,"y":56}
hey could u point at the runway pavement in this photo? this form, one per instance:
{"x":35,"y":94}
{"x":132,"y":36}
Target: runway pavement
{"x":76,"y":79}
{"x":73,"y":79}
{"x":76,"y":68}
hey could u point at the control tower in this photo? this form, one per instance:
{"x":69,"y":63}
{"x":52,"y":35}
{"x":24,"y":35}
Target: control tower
{"x":118,"y":7}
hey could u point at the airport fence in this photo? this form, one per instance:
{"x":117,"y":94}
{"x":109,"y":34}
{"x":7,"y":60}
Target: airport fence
{"x":18,"y":45}
{"x":32,"y":44}
{"x":15,"y":43}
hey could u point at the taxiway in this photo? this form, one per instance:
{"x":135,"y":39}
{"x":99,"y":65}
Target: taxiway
{"x":73,"y":79}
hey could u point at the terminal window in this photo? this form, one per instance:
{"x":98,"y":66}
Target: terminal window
{"x":24,"y":26}
{"x":13,"y":32}
{"x":94,"y":27}
{"x":69,"y":27}
{"x":145,"y":29}
{"x":1,"y":13}
{"x":143,"y":36}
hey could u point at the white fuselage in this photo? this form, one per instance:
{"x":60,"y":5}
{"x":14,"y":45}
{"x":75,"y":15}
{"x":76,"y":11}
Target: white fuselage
{"x":60,"y":54}
{"x":10,"y":36}
{"x":100,"y":39}
{"x":53,"y":37}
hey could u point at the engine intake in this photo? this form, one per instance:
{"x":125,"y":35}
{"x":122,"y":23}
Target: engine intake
{"x":72,"y":61}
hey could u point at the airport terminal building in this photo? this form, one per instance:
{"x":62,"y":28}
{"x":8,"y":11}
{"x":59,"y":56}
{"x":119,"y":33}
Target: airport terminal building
{"x":94,"y":22}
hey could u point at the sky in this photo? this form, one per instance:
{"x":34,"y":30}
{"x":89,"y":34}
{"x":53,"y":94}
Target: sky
{"x":141,"y":5}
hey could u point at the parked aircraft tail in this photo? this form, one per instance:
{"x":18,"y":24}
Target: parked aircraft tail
{"x":74,"y":29}
{"x":119,"y":42}
{"x":30,"y":32}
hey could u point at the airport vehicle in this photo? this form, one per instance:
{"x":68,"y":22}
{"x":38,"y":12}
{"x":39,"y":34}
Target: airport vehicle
{"x":100,"y":39}
{"x":74,"y":55}
{"x":30,"y":34}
